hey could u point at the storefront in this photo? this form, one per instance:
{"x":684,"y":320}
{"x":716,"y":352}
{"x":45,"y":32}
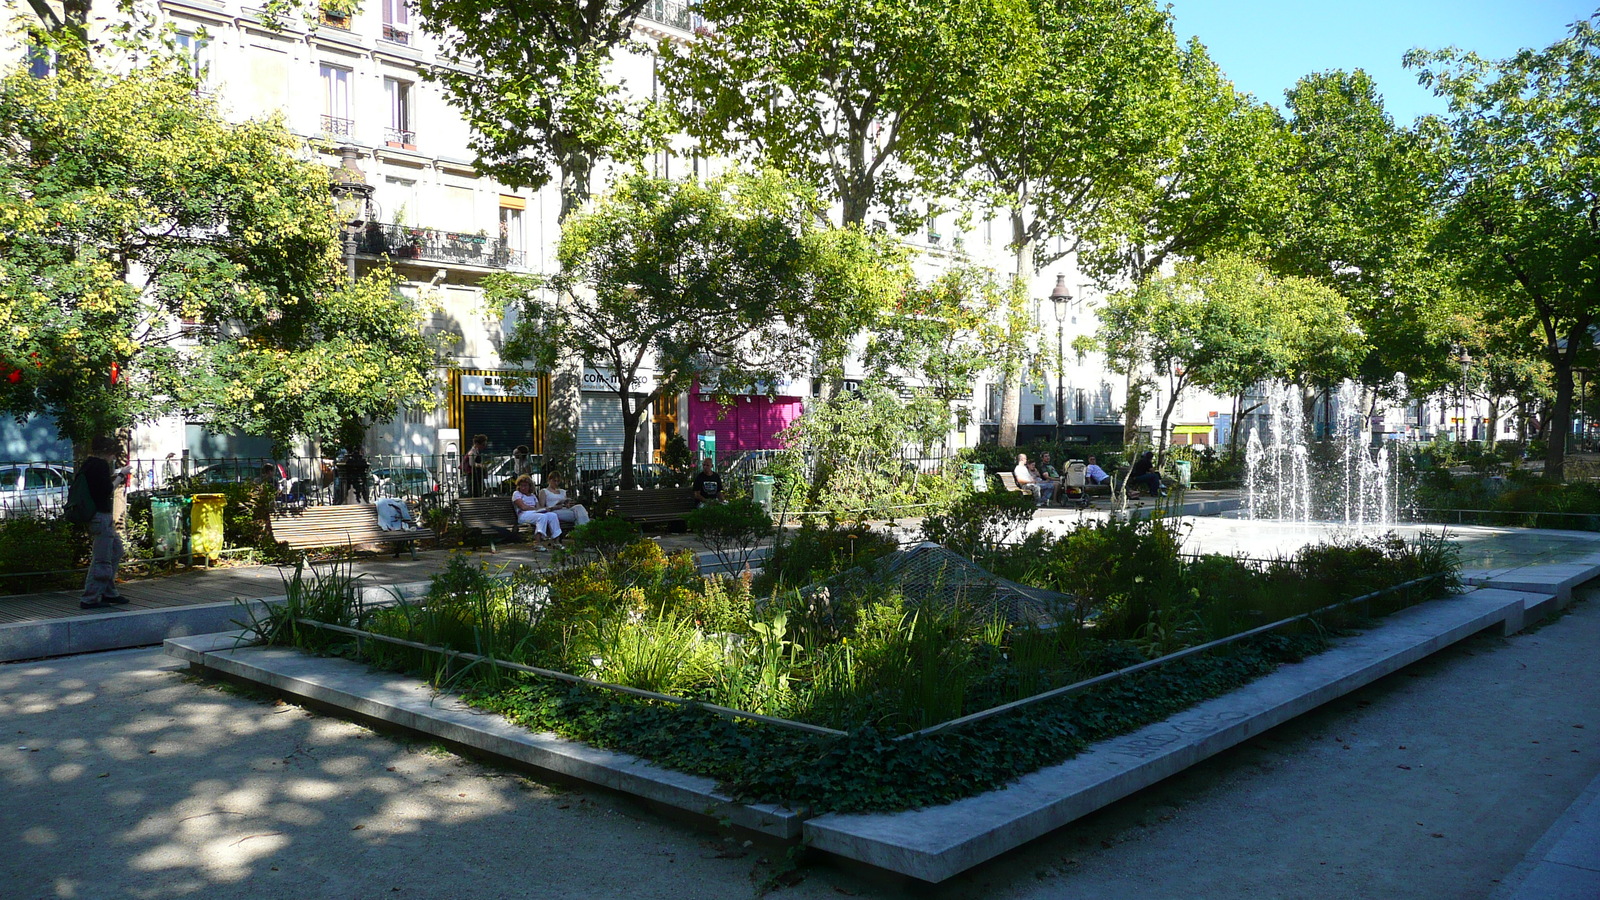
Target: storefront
{"x":1183,"y":435}
{"x":508,"y":406}
{"x":600,"y":431}
{"x":743,"y":421}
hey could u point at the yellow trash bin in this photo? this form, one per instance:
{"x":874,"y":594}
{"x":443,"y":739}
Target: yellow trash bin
{"x":205,"y":525}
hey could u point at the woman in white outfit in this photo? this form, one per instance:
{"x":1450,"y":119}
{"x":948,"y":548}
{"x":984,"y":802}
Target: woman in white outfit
{"x":531,"y":511}
{"x":556,"y":500}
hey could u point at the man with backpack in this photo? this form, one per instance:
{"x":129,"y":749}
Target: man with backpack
{"x":94,"y":479}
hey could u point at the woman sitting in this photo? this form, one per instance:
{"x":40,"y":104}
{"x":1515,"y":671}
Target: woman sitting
{"x":531,"y":511}
{"x":556,"y":500}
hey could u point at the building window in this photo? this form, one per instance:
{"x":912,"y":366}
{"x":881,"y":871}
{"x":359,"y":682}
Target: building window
{"x":337,"y":18}
{"x":41,"y":61}
{"x":992,"y":406}
{"x":511,"y":228}
{"x":396,"y":21}
{"x":336,"y":101}
{"x":401,"y":194}
{"x":1038,"y":412}
{"x":399,"y":132}
{"x":196,"y":54}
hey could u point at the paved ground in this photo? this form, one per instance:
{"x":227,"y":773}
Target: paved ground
{"x":122,"y":777}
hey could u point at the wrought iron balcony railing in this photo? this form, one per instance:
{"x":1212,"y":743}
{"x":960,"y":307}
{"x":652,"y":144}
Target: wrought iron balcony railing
{"x":402,"y":136}
{"x":432,"y":245}
{"x":396,"y":34}
{"x":335,"y":126}
{"x":677,"y":15}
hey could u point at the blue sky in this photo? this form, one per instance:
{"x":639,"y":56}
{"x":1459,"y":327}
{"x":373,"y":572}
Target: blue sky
{"x":1265,"y":46}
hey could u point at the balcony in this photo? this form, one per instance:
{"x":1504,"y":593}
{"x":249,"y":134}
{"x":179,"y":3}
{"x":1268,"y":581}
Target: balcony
{"x":333,"y":126}
{"x":397,"y":34}
{"x":404,"y":138}
{"x":432,"y":245}
{"x":676,"y":15}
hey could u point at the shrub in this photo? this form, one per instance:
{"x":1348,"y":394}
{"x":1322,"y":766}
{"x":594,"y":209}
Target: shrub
{"x":605,"y":535}
{"x":37,"y":544}
{"x":731,"y":530}
{"x":814,"y":553}
{"x":979,"y":522}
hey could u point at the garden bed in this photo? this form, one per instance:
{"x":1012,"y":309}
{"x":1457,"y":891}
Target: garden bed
{"x":862,"y":693}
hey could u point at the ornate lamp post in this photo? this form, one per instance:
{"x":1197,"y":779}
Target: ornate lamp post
{"x":1466,"y":360}
{"x":1061,"y":298}
{"x":354,"y":196}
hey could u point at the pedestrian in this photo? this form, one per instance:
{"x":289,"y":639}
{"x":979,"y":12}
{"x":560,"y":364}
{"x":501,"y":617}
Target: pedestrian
{"x":100,"y":585}
{"x":355,"y":467}
{"x":476,"y":465}
{"x":707,"y":483}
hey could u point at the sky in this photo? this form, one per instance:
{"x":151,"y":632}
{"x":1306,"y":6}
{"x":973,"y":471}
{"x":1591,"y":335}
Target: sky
{"x":1265,"y":46}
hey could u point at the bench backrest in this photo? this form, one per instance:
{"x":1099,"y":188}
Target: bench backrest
{"x":480,"y":513}
{"x":1008,"y":480}
{"x":328,"y":526}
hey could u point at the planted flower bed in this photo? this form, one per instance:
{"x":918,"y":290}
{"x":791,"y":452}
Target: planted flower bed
{"x":842,"y":699}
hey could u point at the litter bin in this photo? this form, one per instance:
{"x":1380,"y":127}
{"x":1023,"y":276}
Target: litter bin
{"x":167,"y":515}
{"x":761,"y":491}
{"x":1182,"y":466}
{"x":975,"y":470}
{"x":205,"y":525}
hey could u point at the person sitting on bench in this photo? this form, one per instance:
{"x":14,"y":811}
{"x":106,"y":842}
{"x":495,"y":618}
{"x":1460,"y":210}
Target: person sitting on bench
{"x":1145,"y":475}
{"x":531,"y":511}
{"x":1029,"y":481}
{"x":555,"y":498}
{"x":1094,"y":474}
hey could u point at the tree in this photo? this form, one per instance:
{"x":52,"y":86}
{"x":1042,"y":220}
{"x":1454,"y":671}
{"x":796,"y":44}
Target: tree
{"x":156,"y":260}
{"x":722,"y":283}
{"x":1212,"y":187}
{"x":1357,"y":216}
{"x":1079,"y":124}
{"x":533,"y":80}
{"x":853,"y":97}
{"x":1226,"y":324}
{"x":1522,"y":192}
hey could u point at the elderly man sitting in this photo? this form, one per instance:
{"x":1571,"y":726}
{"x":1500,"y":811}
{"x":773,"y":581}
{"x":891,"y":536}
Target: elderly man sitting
{"x":1029,"y":480}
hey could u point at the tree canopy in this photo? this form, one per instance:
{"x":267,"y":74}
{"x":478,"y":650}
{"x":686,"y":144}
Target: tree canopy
{"x":726,"y":283}
{"x":156,"y":260}
{"x":1521,"y":193}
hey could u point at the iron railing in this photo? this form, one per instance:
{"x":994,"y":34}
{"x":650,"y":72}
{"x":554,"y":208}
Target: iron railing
{"x":396,"y":34}
{"x":400,"y":136}
{"x":333,"y":125}
{"x":433,"y":245}
{"x":678,"y":15}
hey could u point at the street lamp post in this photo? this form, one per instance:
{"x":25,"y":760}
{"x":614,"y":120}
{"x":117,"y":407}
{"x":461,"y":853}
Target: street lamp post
{"x":1060,"y":298}
{"x":354,"y":197}
{"x":1466,"y":360}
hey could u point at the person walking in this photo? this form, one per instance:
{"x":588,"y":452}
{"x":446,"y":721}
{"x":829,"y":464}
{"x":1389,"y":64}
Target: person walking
{"x":100,"y":585}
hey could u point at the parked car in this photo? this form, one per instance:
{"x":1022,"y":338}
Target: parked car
{"x":501,"y":477}
{"x":235,"y":471}
{"x":31,"y":489}
{"x":402,"y":481}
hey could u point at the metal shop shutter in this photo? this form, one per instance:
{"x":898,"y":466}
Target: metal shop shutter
{"x":600,"y":423}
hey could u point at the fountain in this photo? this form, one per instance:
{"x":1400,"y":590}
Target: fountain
{"x":1350,"y":483}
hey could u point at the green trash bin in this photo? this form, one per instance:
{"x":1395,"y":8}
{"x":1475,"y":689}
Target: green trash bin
{"x":761,"y":491}
{"x":205,"y":525}
{"x":975,"y":471}
{"x":1182,"y":466}
{"x":168,"y":524}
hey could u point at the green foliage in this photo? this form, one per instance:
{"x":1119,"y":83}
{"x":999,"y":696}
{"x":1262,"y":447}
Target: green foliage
{"x":128,"y":205}
{"x":33,"y":544}
{"x":605,"y":535}
{"x":814,"y":553}
{"x":978,"y":523}
{"x":1521,"y":158}
{"x":846,"y":453}
{"x":731,"y":530}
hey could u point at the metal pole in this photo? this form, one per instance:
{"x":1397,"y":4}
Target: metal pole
{"x":1061,"y":363}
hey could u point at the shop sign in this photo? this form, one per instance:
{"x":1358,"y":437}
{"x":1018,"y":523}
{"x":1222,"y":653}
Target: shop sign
{"x":499,"y":386}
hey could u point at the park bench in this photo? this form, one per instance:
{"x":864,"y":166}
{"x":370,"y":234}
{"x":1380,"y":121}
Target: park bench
{"x":493,"y":517}
{"x":1009,"y":481}
{"x":314,"y":527}
{"x":655,"y":506}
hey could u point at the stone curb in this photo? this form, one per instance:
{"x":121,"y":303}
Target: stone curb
{"x":409,"y":704}
{"x":1565,"y":863}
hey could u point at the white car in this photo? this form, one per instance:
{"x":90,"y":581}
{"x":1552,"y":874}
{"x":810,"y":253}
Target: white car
{"x":33,"y":489}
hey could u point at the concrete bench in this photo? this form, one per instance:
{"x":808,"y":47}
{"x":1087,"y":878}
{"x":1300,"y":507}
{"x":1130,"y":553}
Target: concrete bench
{"x":315,"y":527}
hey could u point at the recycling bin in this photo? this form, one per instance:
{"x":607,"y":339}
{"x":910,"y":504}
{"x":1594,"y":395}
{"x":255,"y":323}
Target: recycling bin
{"x":205,"y":525}
{"x":1182,"y":466}
{"x":975,"y":471}
{"x":761,"y":491}
{"x":168,"y":524}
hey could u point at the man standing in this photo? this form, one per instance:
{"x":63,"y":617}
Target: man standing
{"x":707,"y":483}
{"x":100,"y":585}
